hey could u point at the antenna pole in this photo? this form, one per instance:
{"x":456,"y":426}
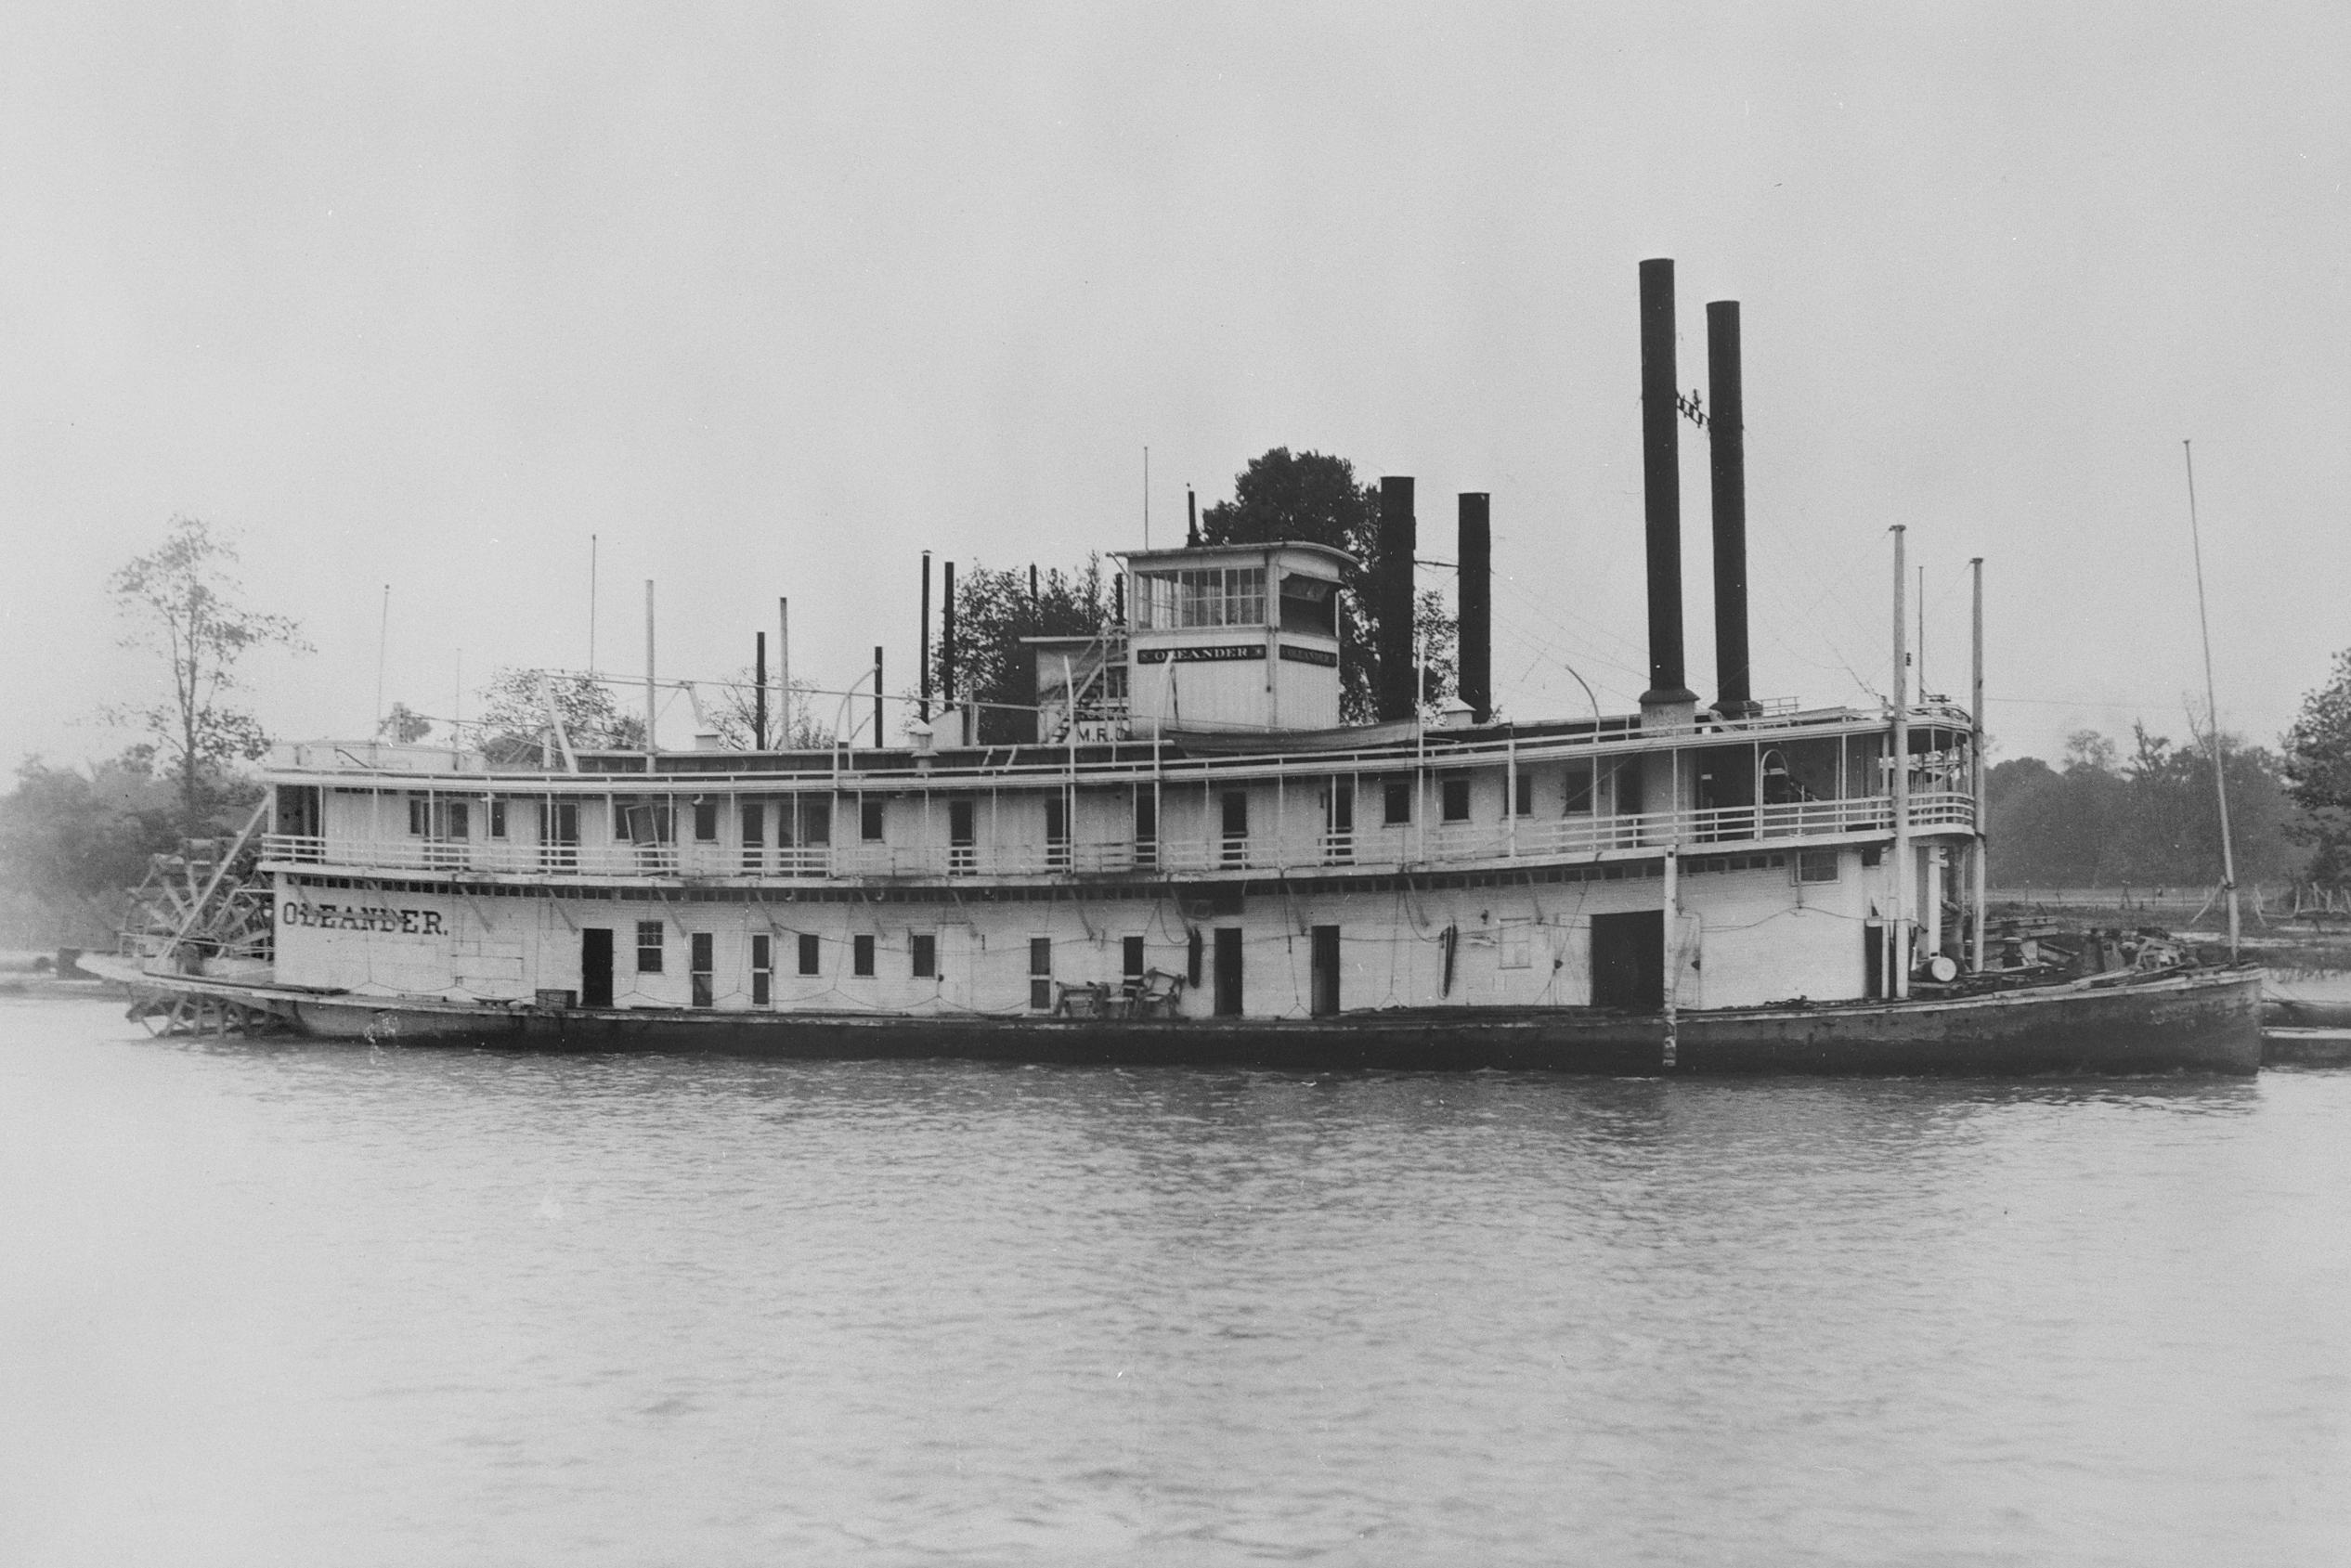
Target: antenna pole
{"x":2212,"y":709}
{"x":650,"y":709}
{"x":783,"y":674}
{"x":1983,"y":812}
{"x":383,"y":643}
{"x":1899,"y":783}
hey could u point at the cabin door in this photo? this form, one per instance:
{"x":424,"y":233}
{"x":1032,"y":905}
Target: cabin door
{"x":1228,"y":971}
{"x":595,"y":967}
{"x":1628,"y":961}
{"x":1326,"y":971}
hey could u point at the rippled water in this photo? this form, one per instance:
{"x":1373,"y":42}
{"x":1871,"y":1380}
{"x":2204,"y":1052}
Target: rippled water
{"x":285,"y":1302}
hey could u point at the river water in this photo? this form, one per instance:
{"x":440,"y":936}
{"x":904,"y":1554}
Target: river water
{"x":284,"y":1303}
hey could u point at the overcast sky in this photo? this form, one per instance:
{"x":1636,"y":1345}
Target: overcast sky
{"x":771,"y":298}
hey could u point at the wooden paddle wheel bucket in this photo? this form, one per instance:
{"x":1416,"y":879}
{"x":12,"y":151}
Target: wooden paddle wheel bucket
{"x":181,"y":1014}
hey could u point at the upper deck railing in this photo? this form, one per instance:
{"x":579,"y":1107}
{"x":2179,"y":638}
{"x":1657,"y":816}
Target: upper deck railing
{"x":1452,"y":845}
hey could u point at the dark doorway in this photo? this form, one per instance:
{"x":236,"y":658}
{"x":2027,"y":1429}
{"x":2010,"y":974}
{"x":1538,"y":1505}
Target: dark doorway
{"x":1326,"y":971}
{"x":1628,"y":961}
{"x":963,"y":837}
{"x":595,"y":967}
{"x":1228,"y":971}
{"x":1874,"y":959}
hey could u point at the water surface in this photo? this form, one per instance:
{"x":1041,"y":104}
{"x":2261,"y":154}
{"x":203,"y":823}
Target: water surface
{"x":285,"y":1302}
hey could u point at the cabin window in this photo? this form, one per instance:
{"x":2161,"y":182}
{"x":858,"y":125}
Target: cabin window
{"x":498,"y":819}
{"x":429,"y":818}
{"x":1396,"y":796}
{"x":762,"y":969}
{"x":925,"y":947}
{"x":869,"y":820}
{"x":645,"y":822}
{"x":1873,"y":854}
{"x":1309,"y":605}
{"x":1456,"y":800}
{"x":1236,"y":824}
{"x":1523,"y":794}
{"x":648,"y":947}
{"x":812,"y":951}
{"x":706,"y":821}
{"x":1579,"y":790}
{"x":1204,"y":596}
{"x":861,"y":956}
{"x":700,"y":967}
{"x":1041,"y":973}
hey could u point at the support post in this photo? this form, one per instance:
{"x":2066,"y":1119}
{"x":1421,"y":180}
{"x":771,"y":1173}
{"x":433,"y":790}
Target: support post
{"x":1984,"y":821}
{"x":1899,"y":784}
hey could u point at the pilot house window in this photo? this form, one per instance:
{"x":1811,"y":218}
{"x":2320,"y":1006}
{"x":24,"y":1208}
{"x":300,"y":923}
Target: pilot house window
{"x":1204,"y":596}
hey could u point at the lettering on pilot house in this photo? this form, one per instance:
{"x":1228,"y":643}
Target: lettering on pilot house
{"x":1220,"y":653}
{"x":359,"y":917}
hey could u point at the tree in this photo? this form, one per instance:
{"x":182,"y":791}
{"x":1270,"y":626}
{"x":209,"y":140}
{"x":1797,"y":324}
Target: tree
{"x":183,"y":603}
{"x":1313,"y":496}
{"x":2317,"y":774}
{"x":73,"y":841}
{"x":403,"y":725}
{"x":515,"y":728}
{"x":732,"y":713}
{"x":994,"y":611}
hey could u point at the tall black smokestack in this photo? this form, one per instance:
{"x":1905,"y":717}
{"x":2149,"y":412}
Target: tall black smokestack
{"x":1661,"y":485}
{"x":1727,"y":442}
{"x":1396,"y":697}
{"x":1477,"y":674}
{"x":922,"y":709}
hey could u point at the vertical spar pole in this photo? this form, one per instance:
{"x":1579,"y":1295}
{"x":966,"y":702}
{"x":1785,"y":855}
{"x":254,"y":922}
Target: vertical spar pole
{"x":784,"y":674}
{"x":2212,"y":709}
{"x":651,"y":711}
{"x":1982,"y":815}
{"x":922,"y":707}
{"x":1899,"y":958}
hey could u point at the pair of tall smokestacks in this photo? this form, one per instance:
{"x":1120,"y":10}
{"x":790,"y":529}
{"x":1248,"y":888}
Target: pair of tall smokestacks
{"x":1661,"y":486}
{"x":1397,"y":695}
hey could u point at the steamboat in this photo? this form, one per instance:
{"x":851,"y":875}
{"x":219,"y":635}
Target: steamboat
{"x":1190,"y":859}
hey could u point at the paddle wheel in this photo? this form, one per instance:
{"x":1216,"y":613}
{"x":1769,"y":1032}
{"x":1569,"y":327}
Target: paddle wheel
{"x":200,"y":911}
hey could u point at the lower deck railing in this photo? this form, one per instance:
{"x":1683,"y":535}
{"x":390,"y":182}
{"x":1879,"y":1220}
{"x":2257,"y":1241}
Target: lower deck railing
{"x":1435,"y":844}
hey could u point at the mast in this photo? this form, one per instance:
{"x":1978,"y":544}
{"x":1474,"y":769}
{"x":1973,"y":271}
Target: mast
{"x":650,"y":710}
{"x":1975,"y":751}
{"x":2212,"y":709}
{"x":1898,"y":980}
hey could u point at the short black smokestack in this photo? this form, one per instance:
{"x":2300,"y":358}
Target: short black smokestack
{"x":1727,"y":442}
{"x":1661,"y":485}
{"x":1476,"y":675}
{"x":1396,"y":697}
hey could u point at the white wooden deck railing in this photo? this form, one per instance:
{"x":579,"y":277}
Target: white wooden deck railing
{"x":1446,"y":844}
